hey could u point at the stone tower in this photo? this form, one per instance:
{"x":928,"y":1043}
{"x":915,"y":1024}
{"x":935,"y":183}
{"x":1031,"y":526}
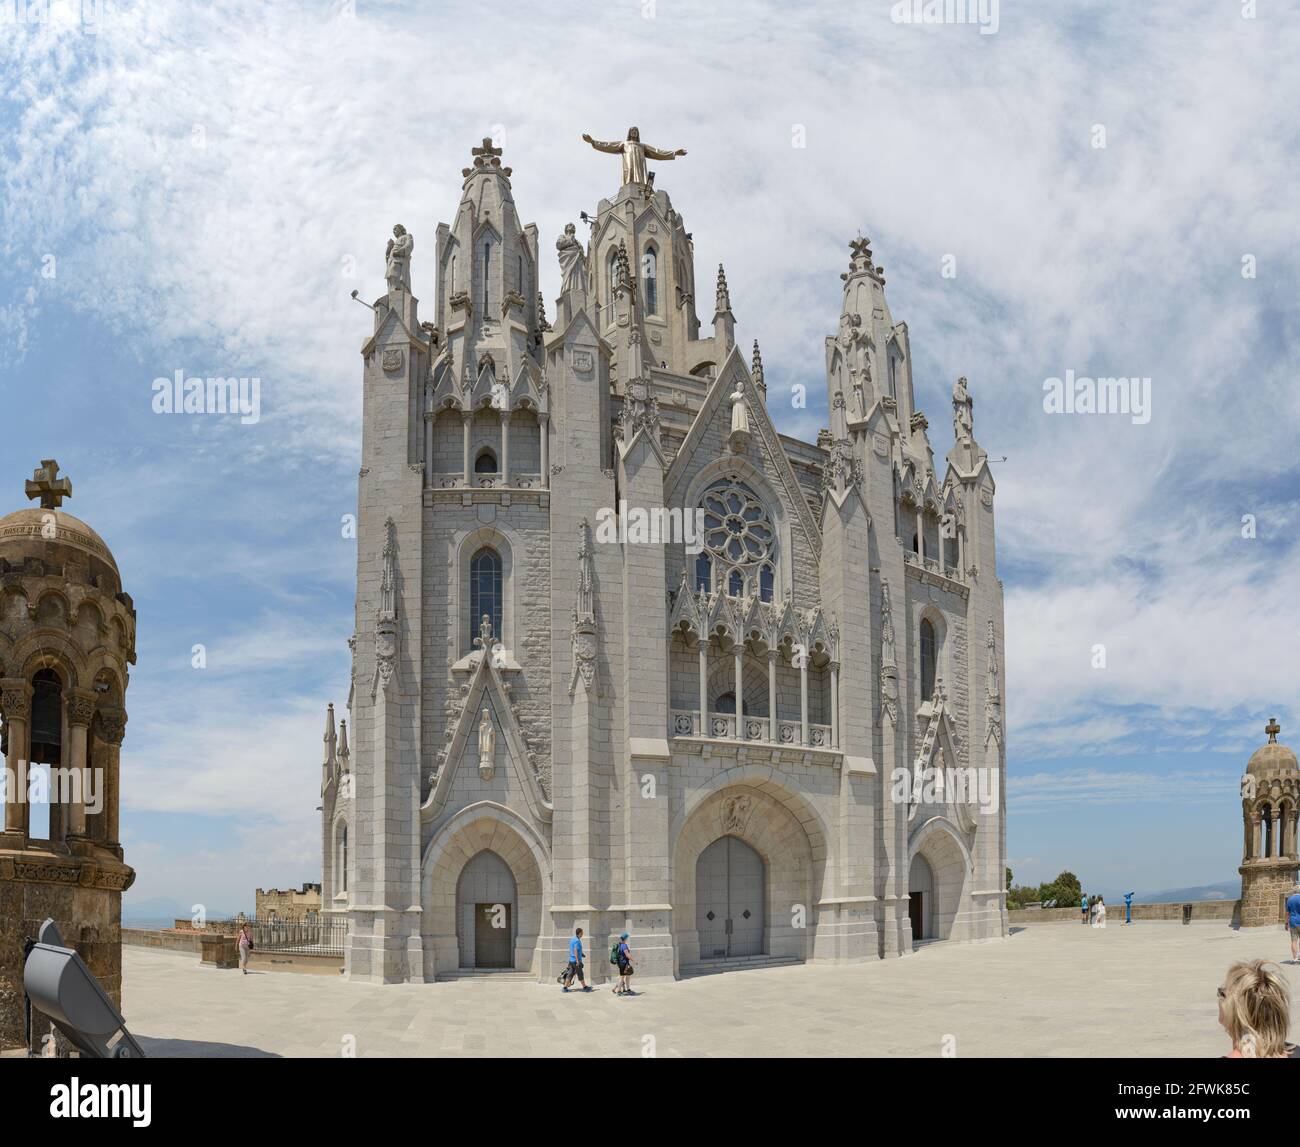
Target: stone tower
{"x":67,"y":637}
{"x":1270,"y":798}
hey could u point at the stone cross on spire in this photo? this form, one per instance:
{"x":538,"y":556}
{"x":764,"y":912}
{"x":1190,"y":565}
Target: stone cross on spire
{"x":1272,"y":729}
{"x":487,"y":149}
{"x":46,"y":484}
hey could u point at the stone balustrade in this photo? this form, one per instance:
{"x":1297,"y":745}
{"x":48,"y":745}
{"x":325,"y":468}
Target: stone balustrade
{"x":518,"y":481}
{"x":722,"y":726}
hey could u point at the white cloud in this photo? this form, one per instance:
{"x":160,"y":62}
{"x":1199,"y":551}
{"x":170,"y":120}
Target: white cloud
{"x":319,"y":131}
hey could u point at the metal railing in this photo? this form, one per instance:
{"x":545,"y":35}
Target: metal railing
{"x":322,"y":936}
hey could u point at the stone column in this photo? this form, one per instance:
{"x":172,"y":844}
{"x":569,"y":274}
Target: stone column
{"x":80,"y":707}
{"x":428,"y":449}
{"x":544,"y":421}
{"x":835,"y":705}
{"x":803,"y":699}
{"x":942,"y":548}
{"x":466,"y":417}
{"x":1257,"y":849}
{"x":505,"y":447}
{"x":771,"y":694}
{"x":112,"y":730}
{"x":920,"y":534}
{"x":16,"y":700}
{"x":740,"y":691}
{"x":704,"y":686}
{"x":961,"y":553}
{"x":1276,"y":812}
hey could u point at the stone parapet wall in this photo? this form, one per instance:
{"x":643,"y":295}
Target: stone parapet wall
{"x":1226,"y":910}
{"x":169,"y":939}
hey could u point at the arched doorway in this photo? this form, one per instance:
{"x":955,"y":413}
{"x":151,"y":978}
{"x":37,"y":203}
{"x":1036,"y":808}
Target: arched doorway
{"x":485,"y":913}
{"x":730,"y":891}
{"x":920,"y":899}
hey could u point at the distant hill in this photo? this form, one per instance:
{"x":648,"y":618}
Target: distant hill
{"x":160,"y":911}
{"x":1228,"y":890}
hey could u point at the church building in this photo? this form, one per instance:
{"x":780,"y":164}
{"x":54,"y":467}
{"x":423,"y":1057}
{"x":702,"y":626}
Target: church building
{"x":628,"y":658}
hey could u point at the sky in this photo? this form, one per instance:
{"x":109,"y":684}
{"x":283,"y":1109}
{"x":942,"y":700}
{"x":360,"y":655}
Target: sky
{"x":1107,"y":189}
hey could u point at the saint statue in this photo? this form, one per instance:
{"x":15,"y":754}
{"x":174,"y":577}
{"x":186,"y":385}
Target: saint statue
{"x":398,"y":255}
{"x":573,"y":261}
{"x":963,"y":412}
{"x":740,"y":412}
{"x":487,"y":743}
{"x":634,"y":154}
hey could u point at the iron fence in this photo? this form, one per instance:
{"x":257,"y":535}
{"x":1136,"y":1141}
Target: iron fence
{"x":322,"y":936}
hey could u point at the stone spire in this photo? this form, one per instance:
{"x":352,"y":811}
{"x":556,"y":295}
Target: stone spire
{"x":724,"y":322}
{"x":330,"y":763}
{"x":624,"y":273}
{"x":756,"y":370}
{"x":345,"y":754}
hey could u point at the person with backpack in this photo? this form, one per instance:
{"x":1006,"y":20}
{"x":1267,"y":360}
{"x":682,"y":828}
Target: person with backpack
{"x":621,"y":955}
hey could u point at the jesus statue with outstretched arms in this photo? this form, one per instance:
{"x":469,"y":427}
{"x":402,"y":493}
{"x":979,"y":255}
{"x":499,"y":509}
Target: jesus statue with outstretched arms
{"x":634,"y":154}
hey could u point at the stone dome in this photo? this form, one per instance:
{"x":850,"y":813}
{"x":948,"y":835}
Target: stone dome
{"x":1273,"y":759}
{"x":27,"y":534}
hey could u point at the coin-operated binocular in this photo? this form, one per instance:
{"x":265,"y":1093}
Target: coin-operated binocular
{"x":58,"y":982}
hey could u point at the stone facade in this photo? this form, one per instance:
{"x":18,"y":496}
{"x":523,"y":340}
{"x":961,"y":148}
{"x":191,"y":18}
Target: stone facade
{"x":289,"y":903}
{"x":67,"y":638}
{"x":1270,"y":807}
{"x":551,"y":664}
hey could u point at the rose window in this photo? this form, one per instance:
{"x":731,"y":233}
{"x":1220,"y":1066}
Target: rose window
{"x":739,"y":538}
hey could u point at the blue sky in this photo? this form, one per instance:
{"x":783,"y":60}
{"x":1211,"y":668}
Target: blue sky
{"x":211,"y":183}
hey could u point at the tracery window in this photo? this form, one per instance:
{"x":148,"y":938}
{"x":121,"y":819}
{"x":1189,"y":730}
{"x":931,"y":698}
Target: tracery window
{"x":929,"y":657}
{"x":740,"y":537}
{"x":651,"y":279}
{"x":485,"y":594}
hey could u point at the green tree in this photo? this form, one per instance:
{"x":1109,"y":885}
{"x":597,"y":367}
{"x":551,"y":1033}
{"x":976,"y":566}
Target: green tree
{"x":1008,"y":880}
{"x":1065,"y":890}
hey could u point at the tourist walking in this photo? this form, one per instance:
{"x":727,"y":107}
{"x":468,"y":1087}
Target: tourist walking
{"x":1128,"y":908}
{"x":1255,"y":1011}
{"x":1083,"y":908}
{"x":245,"y":946}
{"x":1293,"y":922}
{"x":622,"y":956}
{"x":576,"y":957}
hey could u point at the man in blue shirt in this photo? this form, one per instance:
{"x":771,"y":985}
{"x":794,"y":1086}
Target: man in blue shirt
{"x":575,"y":963}
{"x":1293,"y":922}
{"x":1083,"y":907}
{"x":1128,"y":908}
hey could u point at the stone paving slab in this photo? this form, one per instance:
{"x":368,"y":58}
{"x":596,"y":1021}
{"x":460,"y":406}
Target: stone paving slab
{"x":1046,"y":990}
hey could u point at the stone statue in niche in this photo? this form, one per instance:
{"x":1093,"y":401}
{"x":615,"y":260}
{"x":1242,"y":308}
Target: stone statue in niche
{"x":487,"y":743}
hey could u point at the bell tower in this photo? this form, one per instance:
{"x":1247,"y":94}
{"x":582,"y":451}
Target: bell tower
{"x":1270,"y":797}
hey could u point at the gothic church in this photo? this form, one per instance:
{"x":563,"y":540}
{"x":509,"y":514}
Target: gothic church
{"x":740,"y":746}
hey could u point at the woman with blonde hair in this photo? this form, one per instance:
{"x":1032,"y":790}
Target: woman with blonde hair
{"x":1255,"y":1011}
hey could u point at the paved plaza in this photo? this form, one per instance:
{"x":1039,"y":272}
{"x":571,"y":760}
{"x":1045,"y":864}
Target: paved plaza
{"x":1046,"y":990}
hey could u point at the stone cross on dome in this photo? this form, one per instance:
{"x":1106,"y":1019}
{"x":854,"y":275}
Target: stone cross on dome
{"x":46,"y":484}
{"x":1272,"y":729}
